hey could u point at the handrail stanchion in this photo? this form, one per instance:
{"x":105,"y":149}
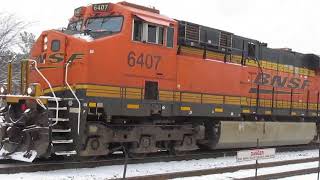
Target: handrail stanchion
{"x":74,"y":95}
{"x":51,"y":89}
{"x":9,"y":80}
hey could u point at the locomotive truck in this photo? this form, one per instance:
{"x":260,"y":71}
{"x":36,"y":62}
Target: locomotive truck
{"x":124,"y":77}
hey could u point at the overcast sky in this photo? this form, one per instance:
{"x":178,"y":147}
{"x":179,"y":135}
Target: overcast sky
{"x":281,"y":23}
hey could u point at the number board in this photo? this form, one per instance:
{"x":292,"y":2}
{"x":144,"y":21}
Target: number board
{"x":100,"y":7}
{"x":78,"y":11}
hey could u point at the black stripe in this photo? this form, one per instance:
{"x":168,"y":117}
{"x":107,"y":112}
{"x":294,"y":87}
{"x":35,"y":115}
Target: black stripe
{"x":266,"y":91}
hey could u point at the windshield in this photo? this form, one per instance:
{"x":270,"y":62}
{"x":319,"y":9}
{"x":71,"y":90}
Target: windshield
{"x":105,"y":24}
{"x":75,"y":26}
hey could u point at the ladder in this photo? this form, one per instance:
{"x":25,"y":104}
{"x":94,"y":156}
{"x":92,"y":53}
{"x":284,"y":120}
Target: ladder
{"x":62,"y":129}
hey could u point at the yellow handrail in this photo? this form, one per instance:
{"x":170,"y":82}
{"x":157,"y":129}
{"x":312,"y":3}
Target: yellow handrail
{"x":9,"y":80}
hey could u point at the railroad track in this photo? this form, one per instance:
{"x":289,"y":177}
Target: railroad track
{"x":11,"y":166}
{"x":237,"y":168}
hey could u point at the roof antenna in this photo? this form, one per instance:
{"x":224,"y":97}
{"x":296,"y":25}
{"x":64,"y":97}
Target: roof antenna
{"x":152,"y":4}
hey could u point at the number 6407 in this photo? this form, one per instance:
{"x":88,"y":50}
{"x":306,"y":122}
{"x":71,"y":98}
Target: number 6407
{"x":143,"y":60}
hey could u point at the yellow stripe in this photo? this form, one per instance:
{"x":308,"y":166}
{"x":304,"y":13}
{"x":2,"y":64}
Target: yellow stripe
{"x":268,"y":112}
{"x":212,"y":99}
{"x":135,"y":93}
{"x":92,"y":94}
{"x":250,"y":62}
{"x":185,"y":108}
{"x":166,"y":96}
{"x":246,"y":111}
{"x":133,"y":106}
{"x":232,"y":100}
{"x":218,"y":110}
{"x":92,"y":104}
{"x":55,"y":89}
{"x":191,"y":97}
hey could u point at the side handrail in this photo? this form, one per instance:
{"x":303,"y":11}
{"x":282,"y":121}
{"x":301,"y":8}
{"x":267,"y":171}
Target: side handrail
{"x":51,"y":89}
{"x":74,"y":95}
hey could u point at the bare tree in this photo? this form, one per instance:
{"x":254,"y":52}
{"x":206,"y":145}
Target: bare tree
{"x":10,"y":28}
{"x":13,"y":40}
{"x":26,"y":42}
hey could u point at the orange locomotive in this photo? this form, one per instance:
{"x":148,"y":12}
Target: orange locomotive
{"x":124,"y":76}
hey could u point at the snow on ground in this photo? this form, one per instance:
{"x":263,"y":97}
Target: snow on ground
{"x":107,"y":172}
{"x":251,"y":172}
{"x":304,"y":177}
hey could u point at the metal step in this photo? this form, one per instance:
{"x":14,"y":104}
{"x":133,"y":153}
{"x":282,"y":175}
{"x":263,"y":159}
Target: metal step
{"x":61,"y":130}
{"x":65,"y":153}
{"x":60,"y":119}
{"x":53,"y":100}
{"x":69,"y":141}
{"x":60,"y":108}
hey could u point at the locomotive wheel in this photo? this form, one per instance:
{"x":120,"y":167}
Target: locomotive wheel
{"x":177,"y":153}
{"x":132,"y":154}
{"x":137,"y":155}
{"x":180,"y":148}
{"x":145,"y":146}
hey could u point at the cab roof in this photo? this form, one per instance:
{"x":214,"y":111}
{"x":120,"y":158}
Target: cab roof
{"x":142,"y":11}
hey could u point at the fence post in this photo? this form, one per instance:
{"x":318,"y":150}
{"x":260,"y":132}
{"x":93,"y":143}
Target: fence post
{"x":125,"y":162}
{"x":318,"y":159}
{"x":256,"y":173}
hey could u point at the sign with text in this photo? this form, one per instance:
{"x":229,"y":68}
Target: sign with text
{"x":256,"y":154}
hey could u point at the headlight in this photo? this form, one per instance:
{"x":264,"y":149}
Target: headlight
{"x":45,"y":43}
{"x":45,"y":39}
{"x":33,"y":89}
{"x":3,"y":89}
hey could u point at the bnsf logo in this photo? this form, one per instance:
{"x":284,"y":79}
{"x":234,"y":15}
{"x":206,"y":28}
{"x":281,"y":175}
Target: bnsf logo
{"x":283,"y":82}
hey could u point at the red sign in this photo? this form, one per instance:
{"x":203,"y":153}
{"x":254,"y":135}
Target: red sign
{"x":255,"y":154}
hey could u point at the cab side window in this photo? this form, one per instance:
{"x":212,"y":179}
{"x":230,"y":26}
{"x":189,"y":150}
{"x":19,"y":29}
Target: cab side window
{"x":146,"y":32}
{"x":152,"y":34}
{"x":137,"y":30}
{"x":170,"y":34}
{"x":161,"y":32}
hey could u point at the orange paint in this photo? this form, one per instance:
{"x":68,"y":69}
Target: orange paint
{"x":105,"y":62}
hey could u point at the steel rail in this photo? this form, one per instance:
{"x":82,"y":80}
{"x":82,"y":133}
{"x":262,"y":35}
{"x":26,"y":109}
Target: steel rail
{"x":232,"y":169}
{"x":11,"y":166}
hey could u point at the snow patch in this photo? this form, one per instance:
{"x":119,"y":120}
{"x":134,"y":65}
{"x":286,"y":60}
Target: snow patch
{"x":251,"y":172}
{"x":19,"y":156}
{"x":87,"y":38}
{"x":108,"y":172}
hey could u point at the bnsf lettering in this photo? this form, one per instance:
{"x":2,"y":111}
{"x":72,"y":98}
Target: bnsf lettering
{"x":59,"y":57}
{"x":283,"y":82}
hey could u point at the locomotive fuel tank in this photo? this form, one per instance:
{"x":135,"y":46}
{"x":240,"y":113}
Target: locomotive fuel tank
{"x":237,"y":134}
